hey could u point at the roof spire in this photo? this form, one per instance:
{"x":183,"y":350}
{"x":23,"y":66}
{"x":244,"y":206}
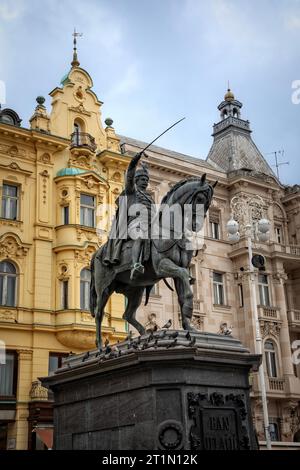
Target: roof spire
{"x":75,"y":62}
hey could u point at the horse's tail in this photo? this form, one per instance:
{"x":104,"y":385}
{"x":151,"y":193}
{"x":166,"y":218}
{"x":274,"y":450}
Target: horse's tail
{"x":93,"y":293}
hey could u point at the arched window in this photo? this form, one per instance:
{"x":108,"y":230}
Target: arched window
{"x":235,"y":113}
{"x":8,"y":282}
{"x":85,"y":281}
{"x":270,"y":355}
{"x":77,"y":132}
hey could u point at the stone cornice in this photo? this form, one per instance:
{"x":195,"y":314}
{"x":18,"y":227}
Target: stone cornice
{"x":34,"y":136}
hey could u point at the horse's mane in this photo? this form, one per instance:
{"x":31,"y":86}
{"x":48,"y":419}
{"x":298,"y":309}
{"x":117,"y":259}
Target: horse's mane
{"x":176,"y":186}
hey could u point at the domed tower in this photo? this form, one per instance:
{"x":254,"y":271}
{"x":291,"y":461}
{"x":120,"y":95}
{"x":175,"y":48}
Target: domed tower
{"x":233,"y":148}
{"x":230,"y":106}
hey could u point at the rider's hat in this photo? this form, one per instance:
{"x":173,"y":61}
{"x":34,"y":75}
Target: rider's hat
{"x":143,"y":171}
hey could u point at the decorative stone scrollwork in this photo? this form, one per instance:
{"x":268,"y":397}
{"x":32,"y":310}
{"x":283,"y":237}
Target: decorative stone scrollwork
{"x":45,"y":158}
{"x":10,"y":247}
{"x":84,"y":256}
{"x":268,"y":328}
{"x":116,"y":177}
{"x":291,"y":419}
{"x":81,"y":161}
{"x":38,"y":392}
{"x":8,"y":315}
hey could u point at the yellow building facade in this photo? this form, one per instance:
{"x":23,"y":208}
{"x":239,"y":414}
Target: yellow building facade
{"x":54,"y":177}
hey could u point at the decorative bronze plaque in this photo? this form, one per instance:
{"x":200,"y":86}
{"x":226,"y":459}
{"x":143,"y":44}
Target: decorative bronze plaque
{"x":219,"y":421}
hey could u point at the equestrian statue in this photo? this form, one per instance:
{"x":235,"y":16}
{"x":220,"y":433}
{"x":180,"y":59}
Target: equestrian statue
{"x":133,"y":260}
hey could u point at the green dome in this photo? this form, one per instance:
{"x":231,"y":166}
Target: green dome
{"x":70,"y":172}
{"x":65,"y":78}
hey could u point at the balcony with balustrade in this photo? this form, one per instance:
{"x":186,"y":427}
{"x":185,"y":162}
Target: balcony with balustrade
{"x":82,"y":143}
{"x":268,"y":313}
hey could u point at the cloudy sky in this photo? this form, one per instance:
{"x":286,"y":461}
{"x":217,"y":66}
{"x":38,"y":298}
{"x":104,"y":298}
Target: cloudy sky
{"x":155,"y":61}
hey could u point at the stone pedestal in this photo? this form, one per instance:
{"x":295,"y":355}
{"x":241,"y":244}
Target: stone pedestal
{"x":165,"y":391}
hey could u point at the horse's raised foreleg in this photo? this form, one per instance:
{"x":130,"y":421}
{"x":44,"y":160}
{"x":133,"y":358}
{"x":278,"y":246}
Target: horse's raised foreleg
{"x":186,"y":318}
{"x":134,"y":296}
{"x":168,"y":268}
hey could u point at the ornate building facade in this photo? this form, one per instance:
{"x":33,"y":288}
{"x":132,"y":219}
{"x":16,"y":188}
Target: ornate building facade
{"x":54,"y":174}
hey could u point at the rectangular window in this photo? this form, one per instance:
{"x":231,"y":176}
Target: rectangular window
{"x":214,"y":230}
{"x":65,"y":215}
{"x":274,"y":430}
{"x":263,"y":286}
{"x":87,"y":210}
{"x":84,"y":295}
{"x":218,"y":289}
{"x":278,"y":235}
{"x":55,"y":361}
{"x":8,"y":375}
{"x":10,"y":198}
{"x":241,"y":295}
{"x":64,"y":295}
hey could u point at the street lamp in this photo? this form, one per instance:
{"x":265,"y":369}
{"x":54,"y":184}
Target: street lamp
{"x":246,"y":217}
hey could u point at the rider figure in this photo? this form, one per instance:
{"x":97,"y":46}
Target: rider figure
{"x":138,"y":222}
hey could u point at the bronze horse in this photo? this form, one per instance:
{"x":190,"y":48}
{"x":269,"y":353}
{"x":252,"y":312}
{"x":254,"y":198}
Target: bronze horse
{"x":168,"y":259}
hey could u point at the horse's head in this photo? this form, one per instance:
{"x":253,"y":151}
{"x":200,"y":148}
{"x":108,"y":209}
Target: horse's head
{"x":194,"y":195}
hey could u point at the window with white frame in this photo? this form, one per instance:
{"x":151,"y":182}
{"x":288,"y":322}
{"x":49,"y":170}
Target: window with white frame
{"x":8,"y":284}
{"x":214,"y":225}
{"x":85,"y":282}
{"x":87,"y":210}
{"x":263,"y":286}
{"x":218,"y":288}
{"x":10,"y":201}
{"x":270,"y":356}
{"x":214,"y":230}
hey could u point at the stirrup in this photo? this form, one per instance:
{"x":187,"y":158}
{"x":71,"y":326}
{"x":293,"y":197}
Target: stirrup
{"x":138,"y":268}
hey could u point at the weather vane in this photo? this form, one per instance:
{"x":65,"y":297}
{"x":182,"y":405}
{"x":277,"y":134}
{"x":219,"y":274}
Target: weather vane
{"x":75,"y":62}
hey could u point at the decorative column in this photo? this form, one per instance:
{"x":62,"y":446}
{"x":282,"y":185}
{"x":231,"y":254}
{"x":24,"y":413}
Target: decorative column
{"x":23,"y":397}
{"x":285,"y":342}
